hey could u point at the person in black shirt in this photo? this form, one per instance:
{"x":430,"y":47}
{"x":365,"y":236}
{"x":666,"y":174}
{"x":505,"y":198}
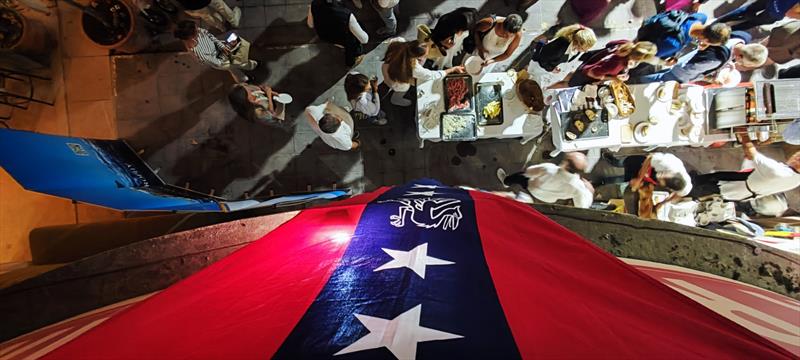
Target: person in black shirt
{"x":566,"y":46}
{"x":451,"y":36}
{"x":336,"y":24}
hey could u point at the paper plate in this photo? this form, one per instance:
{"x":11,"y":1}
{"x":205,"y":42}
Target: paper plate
{"x":474,"y":65}
{"x":283,"y":98}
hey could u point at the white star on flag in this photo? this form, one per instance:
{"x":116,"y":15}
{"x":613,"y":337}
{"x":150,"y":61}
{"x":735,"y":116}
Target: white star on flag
{"x":400,"y":335}
{"x":415,"y":259}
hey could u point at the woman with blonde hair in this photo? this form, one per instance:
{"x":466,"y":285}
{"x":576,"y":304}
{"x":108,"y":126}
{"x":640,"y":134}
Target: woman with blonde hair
{"x":568,"y":43}
{"x":402,"y":65}
{"x":613,"y":62}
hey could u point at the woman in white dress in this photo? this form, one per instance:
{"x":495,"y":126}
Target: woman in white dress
{"x":402,"y":65}
{"x":496,"y":38}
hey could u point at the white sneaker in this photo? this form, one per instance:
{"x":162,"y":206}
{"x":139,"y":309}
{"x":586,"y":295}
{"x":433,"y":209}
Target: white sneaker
{"x":358,"y":4}
{"x":501,"y":175}
{"x":237,"y":17}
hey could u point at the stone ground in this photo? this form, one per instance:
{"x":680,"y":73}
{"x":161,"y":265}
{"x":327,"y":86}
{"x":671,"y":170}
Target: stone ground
{"x":176,"y":112}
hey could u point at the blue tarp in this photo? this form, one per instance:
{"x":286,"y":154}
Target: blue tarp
{"x":108,"y":173}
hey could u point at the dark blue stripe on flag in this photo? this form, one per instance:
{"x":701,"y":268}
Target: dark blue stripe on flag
{"x":459,"y":304}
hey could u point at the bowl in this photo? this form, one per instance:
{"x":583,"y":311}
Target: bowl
{"x":641,"y":132}
{"x":612,"y":109}
{"x":663,"y":93}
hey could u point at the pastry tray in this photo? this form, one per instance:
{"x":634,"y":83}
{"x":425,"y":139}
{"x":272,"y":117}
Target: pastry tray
{"x":482,"y":99}
{"x":622,"y":93}
{"x":567,"y":124}
{"x":469,"y":133}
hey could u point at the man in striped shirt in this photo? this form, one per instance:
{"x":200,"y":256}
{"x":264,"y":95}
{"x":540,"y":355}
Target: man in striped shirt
{"x":215,"y":53}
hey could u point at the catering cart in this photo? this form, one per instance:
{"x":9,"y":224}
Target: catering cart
{"x":757,"y":109}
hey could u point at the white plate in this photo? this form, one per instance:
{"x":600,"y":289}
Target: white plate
{"x":474,"y":65}
{"x":283,"y":98}
{"x":637,"y":132}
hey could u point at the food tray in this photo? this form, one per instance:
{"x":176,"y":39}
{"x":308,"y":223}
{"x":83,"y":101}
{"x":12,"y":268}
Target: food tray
{"x":567,"y":125}
{"x":483,"y":98}
{"x":622,"y":94}
{"x":468,"y":97}
{"x":467,"y":133}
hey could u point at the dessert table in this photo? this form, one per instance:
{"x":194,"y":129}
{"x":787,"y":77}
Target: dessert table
{"x":665,"y":123}
{"x":517,"y":121}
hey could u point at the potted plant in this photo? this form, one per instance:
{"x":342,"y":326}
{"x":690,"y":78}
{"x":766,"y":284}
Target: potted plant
{"x":21,"y":35}
{"x":113,"y":24}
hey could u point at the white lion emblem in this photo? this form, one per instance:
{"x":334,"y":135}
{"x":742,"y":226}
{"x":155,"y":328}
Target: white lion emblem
{"x":427,"y":212}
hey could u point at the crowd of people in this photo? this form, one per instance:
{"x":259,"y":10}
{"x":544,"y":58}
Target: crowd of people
{"x":677,"y":44}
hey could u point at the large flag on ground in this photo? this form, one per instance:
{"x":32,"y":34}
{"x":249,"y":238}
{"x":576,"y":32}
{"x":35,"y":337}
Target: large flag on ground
{"x":419,"y":271}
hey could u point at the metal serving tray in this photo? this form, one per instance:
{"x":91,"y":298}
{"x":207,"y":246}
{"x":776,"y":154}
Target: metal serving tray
{"x":482,"y":99}
{"x":469,"y":96}
{"x":470,"y":133}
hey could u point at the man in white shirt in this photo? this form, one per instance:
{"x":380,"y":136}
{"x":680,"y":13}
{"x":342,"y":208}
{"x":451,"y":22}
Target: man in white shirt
{"x":549,"y":182}
{"x":764,"y":177}
{"x":328,"y":18}
{"x":333,"y":125}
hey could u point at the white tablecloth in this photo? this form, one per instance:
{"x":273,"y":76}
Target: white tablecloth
{"x":517,"y":123}
{"x":664,"y":133}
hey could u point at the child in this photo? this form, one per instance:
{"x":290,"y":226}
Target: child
{"x":362,"y":93}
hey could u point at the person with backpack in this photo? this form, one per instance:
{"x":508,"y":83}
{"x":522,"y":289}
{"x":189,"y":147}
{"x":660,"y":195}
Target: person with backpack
{"x":497,"y":37}
{"x":758,"y":12}
{"x":362,"y":93}
{"x":706,"y":62}
{"x":612,"y":62}
{"x":673,"y":30}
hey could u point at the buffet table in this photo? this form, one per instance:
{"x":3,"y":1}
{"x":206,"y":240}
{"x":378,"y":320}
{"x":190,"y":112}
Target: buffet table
{"x":650,"y":105}
{"x":517,"y":121}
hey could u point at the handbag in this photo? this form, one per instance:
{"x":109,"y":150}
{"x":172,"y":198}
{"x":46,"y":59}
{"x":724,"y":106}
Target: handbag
{"x":536,"y":52}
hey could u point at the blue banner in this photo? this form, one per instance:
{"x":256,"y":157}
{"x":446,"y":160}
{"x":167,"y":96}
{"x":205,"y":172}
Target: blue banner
{"x":108,"y":173}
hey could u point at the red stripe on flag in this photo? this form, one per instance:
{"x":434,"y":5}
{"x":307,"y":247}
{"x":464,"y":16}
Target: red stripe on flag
{"x":241,"y":307}
{"x":565,"y":297}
